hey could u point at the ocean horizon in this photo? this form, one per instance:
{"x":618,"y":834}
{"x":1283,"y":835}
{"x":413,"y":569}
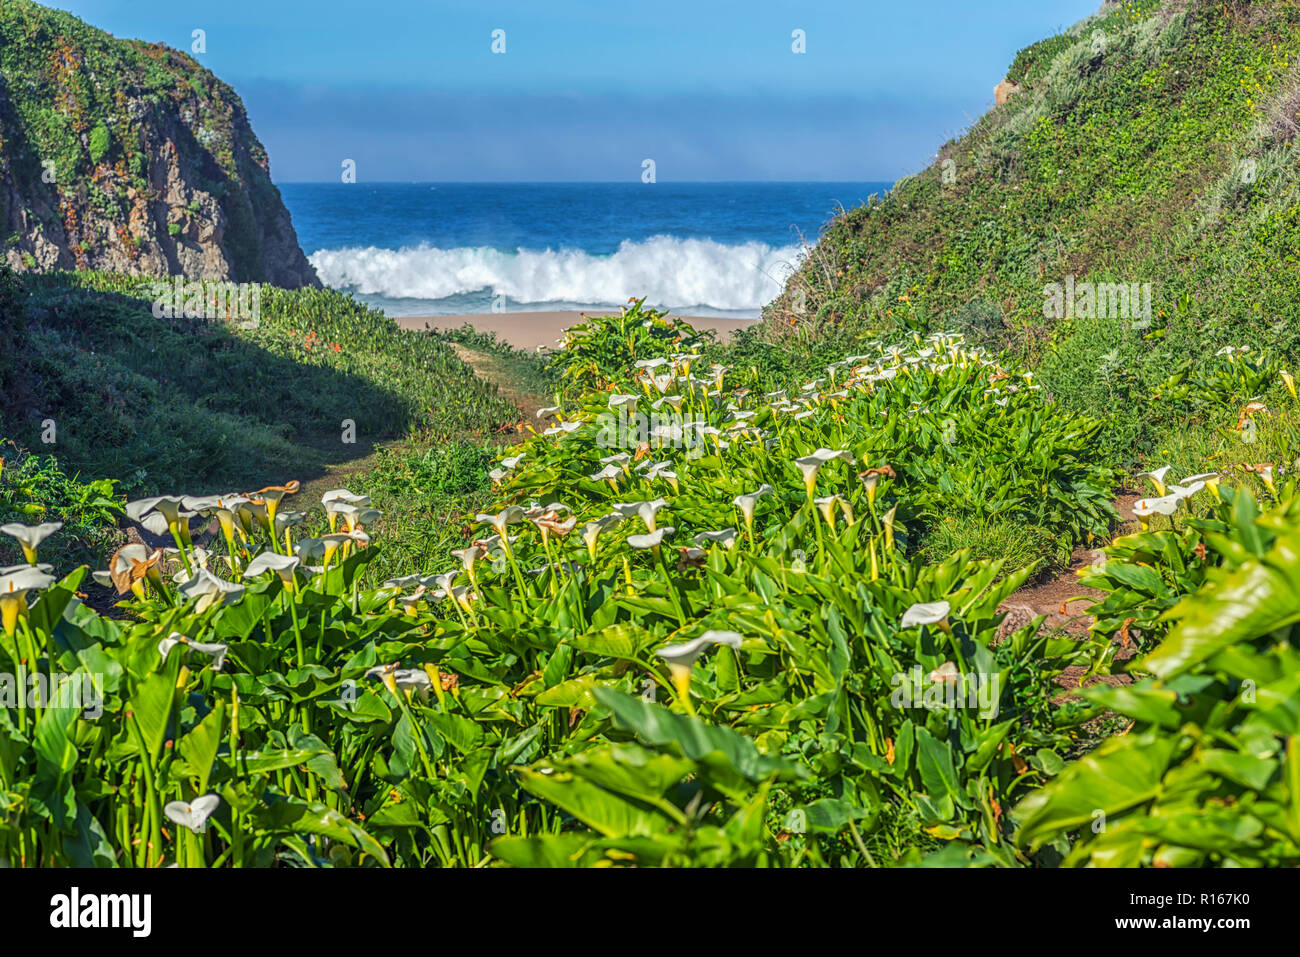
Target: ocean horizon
{"x":444,"y":248}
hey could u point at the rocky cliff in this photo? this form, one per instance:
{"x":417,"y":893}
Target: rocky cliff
{"x":130,"y":157}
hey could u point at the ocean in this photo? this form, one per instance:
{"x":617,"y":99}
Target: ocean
{"x":709,"y":249}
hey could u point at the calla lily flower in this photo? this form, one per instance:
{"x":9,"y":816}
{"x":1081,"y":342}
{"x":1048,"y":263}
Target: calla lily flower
{"x":620,"y":401}
{"x":512,"y":515}
{"x":748,"y":502}
{"x":810,"y":465}
{"x":30,"y":536}
{"x":688,"y":557}
{"x":393,"y":676}
{"x":405,"y":581}
{"x":548,"y":521}
{"x":210,"y":590}
{"x":343,"y":495}
{"x":13,"y":593}
{"x":409,"y":602}
{"x":333,"y":542}
{"x":563,"y":428}
{"x":468,"y":556}
{"x":354,"y":516}
{"x":662,"y":383}
{"x":687,"y":652}
{"x":272,"y":495}
{"x":130,"y":564}
{"x":215,"y":651}
{"x":871,"y":479}
{"x":827,"y":507}
{"x":462,"y":595}
{"x":610,"y":474}
{"x":592,"y":530}
{"x":926,"y":613}
{"x":652,"y":539}
{"x":198,"y":558}
{"x":648,"y":510}
{"x":201,"y":504}
{"x":45,"y":567}
{"x":224,"y":509}
{"x":663,"y":470}
{"x":251,"y":513}
{"x":282,"y":565}
{"x":1265,"y":472}
{"x":193,"y":814}
{"x":336,"y":499}
{"x":680,"y":658}
{"x":1186,"y":490}
{"x":287,"y":520}
{"x":1143,"y":508}
{"x":1157,"y":477}
{"x":1164,"y":505}
{"x":1211,"y":480}
{"x":725,"y":537}
{"x":160,"y":514}
{"x":308,"y":549}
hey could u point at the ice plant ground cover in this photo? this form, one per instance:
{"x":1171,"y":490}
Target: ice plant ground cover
{"x":724,"y":652}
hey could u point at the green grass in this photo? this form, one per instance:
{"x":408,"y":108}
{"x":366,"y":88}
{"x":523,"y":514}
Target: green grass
{"x":165,"y":404}
{"x":429,"y":495}
{"x":526,"y":370}
{"x":1019,"y":544}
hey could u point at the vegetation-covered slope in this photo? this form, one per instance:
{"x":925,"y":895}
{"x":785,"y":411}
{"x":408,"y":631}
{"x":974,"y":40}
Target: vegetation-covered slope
{"x":130,"y":157}
{"x":156,"y":402}
{"x":1153,"y":143}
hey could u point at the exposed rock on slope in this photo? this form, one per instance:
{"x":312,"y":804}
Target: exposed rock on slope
{"x":130,"y":157}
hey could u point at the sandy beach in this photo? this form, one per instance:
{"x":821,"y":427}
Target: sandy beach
{"x":528,"y":330}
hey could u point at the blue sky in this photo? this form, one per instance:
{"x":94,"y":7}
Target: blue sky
{"x":587,"y":89}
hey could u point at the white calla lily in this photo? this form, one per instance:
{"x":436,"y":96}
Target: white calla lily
{"x":926,"y":613}
{"x":217,"y":652}
{"x":748,"y":502}
{"x":193,"y":814}
{"x":725,"y":537}
{"x":210,"y":590}
{"x":281,"y":565}
{"x":14,"y":588}
{"x":29,"y":537}
{"x":651,"y":539}
{"x":810,"y":465}
{"x":681,"y":657}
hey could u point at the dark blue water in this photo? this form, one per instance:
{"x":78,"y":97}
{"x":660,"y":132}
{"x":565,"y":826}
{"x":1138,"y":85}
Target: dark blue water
{"x":443,"y":248}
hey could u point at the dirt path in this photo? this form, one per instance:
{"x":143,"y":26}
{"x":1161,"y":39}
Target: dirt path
{"x":492,"y":369}
{"x":1052,"y":597}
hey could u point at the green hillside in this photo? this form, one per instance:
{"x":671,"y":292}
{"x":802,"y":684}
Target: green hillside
{"x":168,"y":403}
{"x":1154,"y":143}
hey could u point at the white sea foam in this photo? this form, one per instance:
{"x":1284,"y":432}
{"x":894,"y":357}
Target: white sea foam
{"x":668,"y":271}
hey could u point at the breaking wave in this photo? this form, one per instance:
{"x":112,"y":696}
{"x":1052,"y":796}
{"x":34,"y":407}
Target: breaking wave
{"x":670,"y":272}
